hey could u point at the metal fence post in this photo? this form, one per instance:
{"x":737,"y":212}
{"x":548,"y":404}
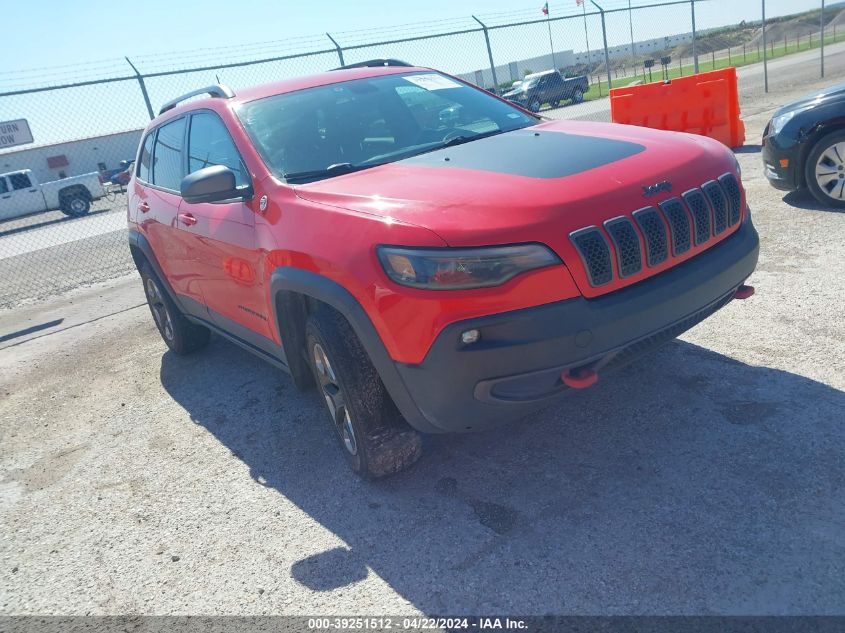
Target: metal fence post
{"x":339,"y":49}
{"x":489,"y":53}
{"x":694,"y":52}
{"x":143,"y":89}
{"x":604,"y":38}
{"x":765,"y":57}
{"x":821,"y":32}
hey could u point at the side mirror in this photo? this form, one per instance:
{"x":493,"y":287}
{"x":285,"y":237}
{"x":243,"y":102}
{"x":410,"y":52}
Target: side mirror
{"x":211,"y":184}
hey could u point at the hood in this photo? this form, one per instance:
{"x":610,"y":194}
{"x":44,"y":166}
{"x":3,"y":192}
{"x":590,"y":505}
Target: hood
{"x":825,"y":95}
{"x":537,"y":184}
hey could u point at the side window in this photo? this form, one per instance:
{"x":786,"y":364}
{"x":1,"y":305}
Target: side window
{"x":209,"y":143}
{"x":20,"y":181}
{"x":146,"y":162}
{"x":4,"y":188}
{"x":167,"y":156}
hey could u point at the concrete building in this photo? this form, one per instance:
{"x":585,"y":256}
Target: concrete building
{"x":72,"y":158}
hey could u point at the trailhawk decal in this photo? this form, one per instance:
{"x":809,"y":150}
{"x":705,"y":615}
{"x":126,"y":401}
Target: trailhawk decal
{"x":530,"y":153}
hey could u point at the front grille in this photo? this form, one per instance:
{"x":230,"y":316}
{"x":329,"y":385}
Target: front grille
{"x":595,"y":254}
{"x":697,"y":204}
{"x":691,"y":220}
{"x":731,"y":187}
{"x":627,"y":245}
{"x":719,"y":202}
{"x":678,"y":224}
{"x":654,"y":232}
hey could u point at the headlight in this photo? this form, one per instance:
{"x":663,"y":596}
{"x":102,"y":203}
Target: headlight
{"x":461,"y":268}
{"x":779,"y":121}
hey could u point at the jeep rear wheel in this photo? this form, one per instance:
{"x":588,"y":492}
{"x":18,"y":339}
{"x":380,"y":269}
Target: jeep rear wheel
{"x":534,"y":105}
{"x":180,"y":335}
{"x":374,"y":438}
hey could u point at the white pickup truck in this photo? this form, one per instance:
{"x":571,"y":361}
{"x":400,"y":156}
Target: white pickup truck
{"x":21,"y":194}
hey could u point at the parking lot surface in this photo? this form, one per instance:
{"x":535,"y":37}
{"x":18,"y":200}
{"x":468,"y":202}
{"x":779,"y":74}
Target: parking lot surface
{"x":706,"y":478}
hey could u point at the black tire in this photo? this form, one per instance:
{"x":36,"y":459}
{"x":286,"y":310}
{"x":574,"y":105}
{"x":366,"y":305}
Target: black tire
{"x":824,"y":170}
{"x":180,"y":335}
{"x":534,"y":105}
{"x":578,"y":96}
{"x":554,"y":103}
{"x":375,"y":440}
{"x":75,"y":205}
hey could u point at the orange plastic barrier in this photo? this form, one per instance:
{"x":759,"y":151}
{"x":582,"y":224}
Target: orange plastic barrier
{"x":706,"y":104}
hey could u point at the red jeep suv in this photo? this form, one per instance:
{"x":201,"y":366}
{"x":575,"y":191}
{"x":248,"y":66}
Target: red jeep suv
{"x":429,"y":256}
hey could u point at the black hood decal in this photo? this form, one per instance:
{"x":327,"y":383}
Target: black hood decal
{"x":530,"y":153}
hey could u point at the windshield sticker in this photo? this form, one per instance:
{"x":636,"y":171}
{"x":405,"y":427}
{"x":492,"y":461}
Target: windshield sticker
{"x":514,"y":115}
{"x":432,"y":81}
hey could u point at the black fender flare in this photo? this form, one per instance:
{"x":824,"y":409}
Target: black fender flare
{"x":316,"y":286}
{"x":138,"y":241}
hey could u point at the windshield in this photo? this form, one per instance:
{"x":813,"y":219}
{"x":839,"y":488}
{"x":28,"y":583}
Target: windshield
{"x":530,"y":82}
{"x":330,"y":130}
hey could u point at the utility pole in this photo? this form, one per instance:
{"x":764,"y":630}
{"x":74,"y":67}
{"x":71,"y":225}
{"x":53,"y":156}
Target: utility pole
{"x":694,"y":53}
{"x":631,"y":26}
{"x":765,"y":57}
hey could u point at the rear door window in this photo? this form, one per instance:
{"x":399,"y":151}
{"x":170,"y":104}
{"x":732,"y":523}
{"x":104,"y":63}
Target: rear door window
{"x":146,"y":162}
{"x":209,"y":143}
{"x":168,"y":168}
{"x":4,"y":188}
{"x":20,"y":181}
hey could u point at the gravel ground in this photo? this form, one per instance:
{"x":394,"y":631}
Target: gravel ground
{"x":705,"y":479}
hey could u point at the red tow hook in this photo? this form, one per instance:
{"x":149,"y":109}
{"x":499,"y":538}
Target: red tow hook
{"x":743,"y":292}
{"x":579,"y":378}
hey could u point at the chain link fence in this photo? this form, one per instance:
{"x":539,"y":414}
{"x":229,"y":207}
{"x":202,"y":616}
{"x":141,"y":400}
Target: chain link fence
{"x":86,"y":120}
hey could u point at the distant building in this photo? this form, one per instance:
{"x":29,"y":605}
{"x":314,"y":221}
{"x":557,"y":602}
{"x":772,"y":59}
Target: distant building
{"x":72,"y":158}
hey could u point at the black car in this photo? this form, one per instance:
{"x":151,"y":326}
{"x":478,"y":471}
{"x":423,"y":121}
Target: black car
{"x":804,"y":146}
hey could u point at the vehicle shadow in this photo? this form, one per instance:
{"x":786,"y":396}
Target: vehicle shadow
{"x":748,"y":149}
{"x":688,"y":482}
{"x":803,"y":199}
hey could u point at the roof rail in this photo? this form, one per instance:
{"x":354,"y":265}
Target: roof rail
{"x":217,"y":90}
{"x":370,"y":63}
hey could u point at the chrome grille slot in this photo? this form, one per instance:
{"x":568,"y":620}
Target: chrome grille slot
{"x":697,"y":204}
{"x":654,"y":232}
{"x":595,"y":253}
{"x":626,"y":242}
{"x":679,"y":225}
{"x":719,"y":202}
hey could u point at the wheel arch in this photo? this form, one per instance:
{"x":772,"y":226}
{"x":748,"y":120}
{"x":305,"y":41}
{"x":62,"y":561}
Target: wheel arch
{"x":811,"y":138}
{"x":296,"y":293}
{"x":70,"y":190}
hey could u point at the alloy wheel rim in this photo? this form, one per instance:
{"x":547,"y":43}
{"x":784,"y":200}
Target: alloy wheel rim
{"x":335,"y":399}
{"x":77,"y":205}
{"x":830,"y":171}
{"x":160,"y":312}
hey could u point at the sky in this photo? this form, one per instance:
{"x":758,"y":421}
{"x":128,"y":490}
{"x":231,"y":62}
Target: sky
{"x":53,"y":42}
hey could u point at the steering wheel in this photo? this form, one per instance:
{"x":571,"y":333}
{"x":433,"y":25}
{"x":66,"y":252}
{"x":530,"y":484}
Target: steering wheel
{"x":453,"y":133}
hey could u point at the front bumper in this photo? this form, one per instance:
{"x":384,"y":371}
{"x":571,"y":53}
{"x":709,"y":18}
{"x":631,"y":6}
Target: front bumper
{"x":784,"y":178}
{"x":516,"y":366}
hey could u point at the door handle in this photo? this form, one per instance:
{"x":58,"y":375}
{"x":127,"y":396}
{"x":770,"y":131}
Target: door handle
{"x":187,"y":219}
{"x":33,"y":191}
{"x":143,"y":206}
{"x":7,"y":197}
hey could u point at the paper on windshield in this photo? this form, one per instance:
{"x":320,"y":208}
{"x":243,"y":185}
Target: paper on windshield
{"x":432,"y":81}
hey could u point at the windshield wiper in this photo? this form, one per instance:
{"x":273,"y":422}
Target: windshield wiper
{"x":332,"y":170}
{"x":460,"y":140}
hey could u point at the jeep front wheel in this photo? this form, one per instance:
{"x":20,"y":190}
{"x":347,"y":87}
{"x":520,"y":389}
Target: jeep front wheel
{"x":374,"y":438}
